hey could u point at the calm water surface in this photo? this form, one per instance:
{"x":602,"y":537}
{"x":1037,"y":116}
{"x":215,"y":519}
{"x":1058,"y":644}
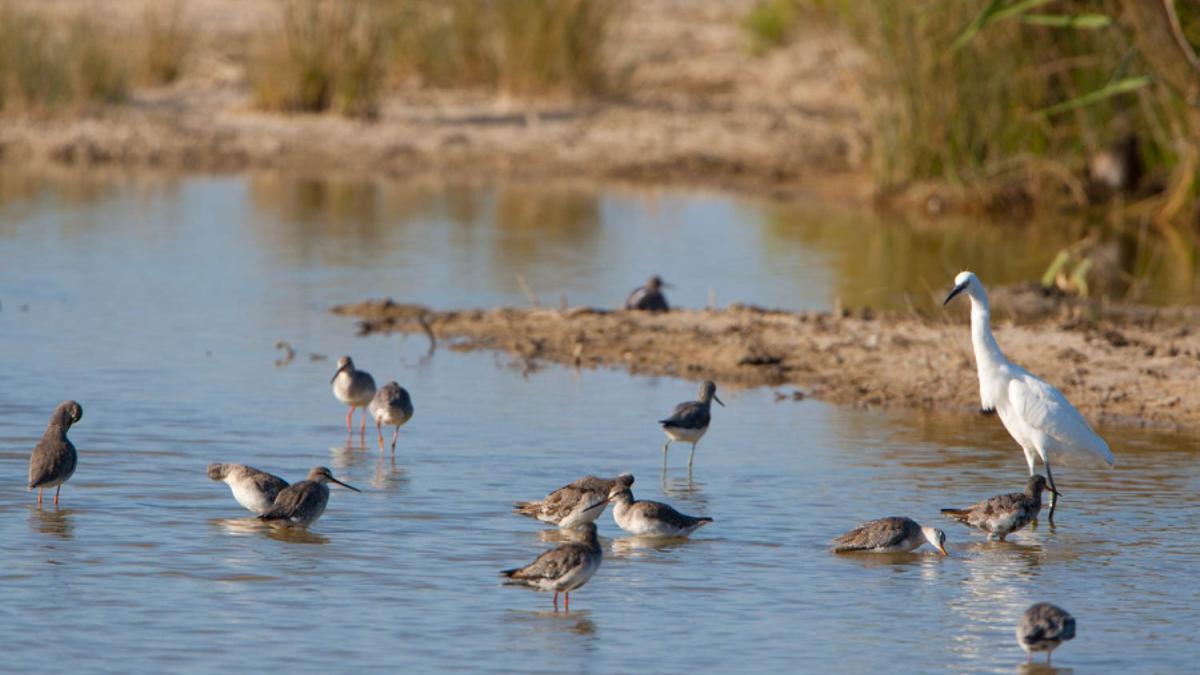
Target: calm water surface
{"x":157,"y":305}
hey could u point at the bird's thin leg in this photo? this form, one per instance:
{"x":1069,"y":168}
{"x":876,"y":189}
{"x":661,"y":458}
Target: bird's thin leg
{"x":379,"y":430}
{"x":349,"y":423}
{"x":39,"y":496}
{"x":362,"y":429}
{"x":56,"y":491}
{"x":395,"y":435}
{"x":1049,"y":654}
{"x":1053,"y":493}
{"x":568,"y":600}
{"x":1028,"y":658}
{"x":556,"y":601}
{"x":690,"y":458}
{"x":665,"y":446}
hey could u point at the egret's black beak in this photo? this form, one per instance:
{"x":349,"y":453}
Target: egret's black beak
{"x":957,"y":289}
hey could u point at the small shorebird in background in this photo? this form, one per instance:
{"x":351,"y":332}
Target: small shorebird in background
{"x":392,"y":406}
{"x":54,"y":458}
{"x":355,"y":388}
{"x":649,"y":298}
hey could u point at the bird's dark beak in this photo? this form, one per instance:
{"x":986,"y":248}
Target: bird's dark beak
{"x":600,"y":504}
{"x":667,"y":285}
{"x":957,"y":289}
{"x":339,"y":372}
{"x":718,"y":400}
{"x":344,"y":484}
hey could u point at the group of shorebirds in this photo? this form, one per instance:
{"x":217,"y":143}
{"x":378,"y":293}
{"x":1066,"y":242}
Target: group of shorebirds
{"x":1036,"y":414}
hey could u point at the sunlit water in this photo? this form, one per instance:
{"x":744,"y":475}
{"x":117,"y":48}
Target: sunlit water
{"x":158,"y":305}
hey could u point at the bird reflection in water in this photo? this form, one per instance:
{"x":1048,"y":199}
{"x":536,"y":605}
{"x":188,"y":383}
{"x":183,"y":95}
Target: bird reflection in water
{"x":254,"y":526}
{"x":55,"y":522}
{"x":388,"y":476}
{"x":683,"y":488}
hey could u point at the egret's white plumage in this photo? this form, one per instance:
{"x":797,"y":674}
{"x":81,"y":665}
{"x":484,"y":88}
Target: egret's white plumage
{"x":1038,"y":417}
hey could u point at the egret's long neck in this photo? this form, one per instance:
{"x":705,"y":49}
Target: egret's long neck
{"x":987,"y":352}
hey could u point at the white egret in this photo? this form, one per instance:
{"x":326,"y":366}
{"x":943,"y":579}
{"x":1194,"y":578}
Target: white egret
{"x":1038,"y":417}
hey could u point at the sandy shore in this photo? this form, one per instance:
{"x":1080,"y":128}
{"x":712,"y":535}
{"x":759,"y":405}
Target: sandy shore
{"x":1119,"y":365}
{"x":697,"y":109}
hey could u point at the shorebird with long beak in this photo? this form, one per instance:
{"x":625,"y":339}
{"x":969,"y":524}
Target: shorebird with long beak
{"x":54,"y":458}
{"x":391,"y":406}
{"x":890,"y":535}
{"x":649,"y":298}
{"x":572,"y":505}
{"x":650,"y":519}
{"x":300,"y":504}
{"x":1038,"y":417}
{"x":355,"y":388}
{"x":1043,"y":628}
{"x":689,"y":421}
{"x":256,"y":490}
{"x":563,"y":569}
{"x":1002,"y":515}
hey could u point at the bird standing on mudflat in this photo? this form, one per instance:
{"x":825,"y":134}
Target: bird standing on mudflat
{"x":890,"y":535}
{"x":1002,"y":515}
{"x":256,"y":490}
{"x":572,"y":505}
{"x":1043,"y":628}
{"x":391,"y":406}
{"x":563,"y":569}
{"x":689,"y":421}
{"x":355,"y":388}
{"x":302,"y":503}
{"x":650,"y":519}
{"x":53,"y":459}
{"x":649,"y":298}
{"x":1038,"y":417}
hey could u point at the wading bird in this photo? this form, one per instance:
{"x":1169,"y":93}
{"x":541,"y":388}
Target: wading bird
{"x":689,"y":421}
{"x":256,"y":490}
{"x":302,"y":503}
{"x":53,"y":459}
{"x":650,"y":519}
{"x":393,"y":407}
{"x":1043,"y":628}
{"x":1002,"y":515}
{"x":1038,"y":417}
{"x":355,"y":388}
{"x":890,"y":535}
{"x":563,"y":569}
{"x":572,"y":505}
{"x":650,"y":297}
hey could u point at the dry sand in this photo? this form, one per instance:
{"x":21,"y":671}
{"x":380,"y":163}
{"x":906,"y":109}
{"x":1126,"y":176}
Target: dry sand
{"x":1119,"y":365}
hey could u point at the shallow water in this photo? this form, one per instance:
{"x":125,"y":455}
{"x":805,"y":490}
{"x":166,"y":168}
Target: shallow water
{"x":157,"y":305}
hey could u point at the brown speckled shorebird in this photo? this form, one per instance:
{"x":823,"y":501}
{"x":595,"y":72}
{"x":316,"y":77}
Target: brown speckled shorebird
{"x":572,"y":505}
{"x":1043,"y":628}
{"x":890,"y":535}
{"x":689,"y":421}
{"x":302,"y":503}
{"x":355,"y":388}
{"x":563,"y":569}
{"x":650,"y":519}
{"x":53,"y":460}
{"x":256,"y":490}
{"x":391,"y":406}
{"x":1002,"y":515}
{"x":649,"y":298}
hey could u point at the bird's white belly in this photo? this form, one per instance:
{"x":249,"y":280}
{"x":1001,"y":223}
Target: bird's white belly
{"x":633,"y":522}
{"x":391,"y":418}
{"x":343,"y":392}
{"x":581,"y":515}
{"x":250,"y":497}
{"x":578,"y":576}
{"x":685,"y":435}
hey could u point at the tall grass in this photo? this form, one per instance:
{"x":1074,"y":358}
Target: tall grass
{"x":168,"y":40}
{"x":47,"y":66}
{"x":982,"y":115}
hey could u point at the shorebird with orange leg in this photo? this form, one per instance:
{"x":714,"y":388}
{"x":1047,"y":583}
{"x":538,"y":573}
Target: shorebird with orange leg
{"x":563,"y":569}
{"x":391,"y":406}
{"x":54,"y":458}
{"x":355,"y":388}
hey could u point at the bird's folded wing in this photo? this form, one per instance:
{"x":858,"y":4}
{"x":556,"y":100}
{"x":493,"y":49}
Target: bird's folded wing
{"x":1045,"y":409}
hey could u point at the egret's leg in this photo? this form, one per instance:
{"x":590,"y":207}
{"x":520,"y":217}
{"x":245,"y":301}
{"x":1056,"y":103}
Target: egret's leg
{"x":395,"y":435}
{"x":1053,"y":493}
{"x":691,"y":457}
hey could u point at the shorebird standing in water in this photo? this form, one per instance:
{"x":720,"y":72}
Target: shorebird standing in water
{"x":563,"y":569}
{"x":256,"y":490}
{"x":689,"y":421}
{"x":1002,"y":515}
{"x":650,"y":519}
{"x":1038,"y":417}
{"x":1043,"y":628}
{"x":302,"y":503}
{"x":572,"y":505}
{"x":650,"y":297}
{"x":355,"y":388}
{"x":53,"y":459}
{"x":890,"y":535}
{"x":391,"y":406}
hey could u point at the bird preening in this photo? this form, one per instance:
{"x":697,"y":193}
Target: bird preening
{"x":53,"y":460}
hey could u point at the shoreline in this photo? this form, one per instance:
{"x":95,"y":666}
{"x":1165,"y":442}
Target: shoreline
{"x":1123,"y":370}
